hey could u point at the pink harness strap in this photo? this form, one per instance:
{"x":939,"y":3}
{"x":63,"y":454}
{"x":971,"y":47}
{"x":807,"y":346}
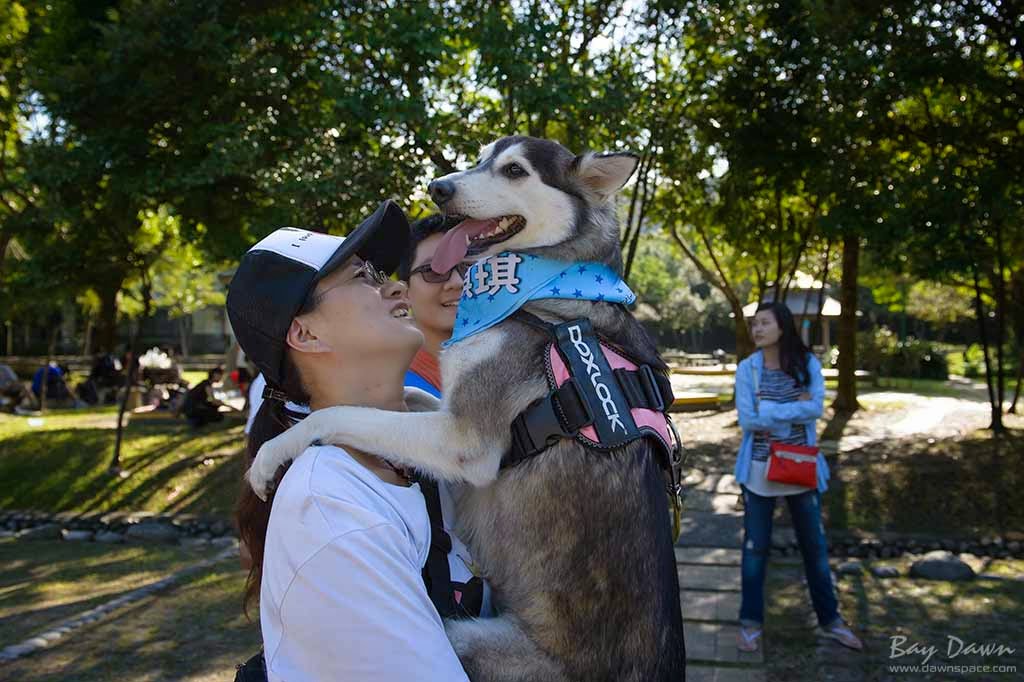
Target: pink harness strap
{"x":646,"y":419}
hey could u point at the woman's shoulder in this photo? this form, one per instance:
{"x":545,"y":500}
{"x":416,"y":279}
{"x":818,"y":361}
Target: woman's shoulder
{"x":747,"y":361}
{"x":325,"y":480}
{"x":812,"y":361}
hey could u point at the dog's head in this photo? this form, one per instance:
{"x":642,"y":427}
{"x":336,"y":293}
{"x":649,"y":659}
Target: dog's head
{"x":528,"y":194}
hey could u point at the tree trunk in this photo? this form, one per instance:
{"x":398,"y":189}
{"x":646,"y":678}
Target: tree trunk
{"x":1000,"y":295}
{"x":1020,"y":379}
{"x":87,"y":338}
{"x":819,"y":318}
{"x":744,"y":341}
{"x":635,"y":242}
{"x":979,"y":312}
{"x":846,"y":395}
{"x":50,"y":348}
{"x":107,"y":332}
{"x":129,"y":375}
{"x":183,"y":333}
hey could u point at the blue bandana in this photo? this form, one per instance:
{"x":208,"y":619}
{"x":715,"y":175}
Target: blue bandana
{"x":496,"y":287}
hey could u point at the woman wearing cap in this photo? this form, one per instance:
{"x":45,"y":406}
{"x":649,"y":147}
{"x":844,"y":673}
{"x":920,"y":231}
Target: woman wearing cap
{"x":339,"y":546}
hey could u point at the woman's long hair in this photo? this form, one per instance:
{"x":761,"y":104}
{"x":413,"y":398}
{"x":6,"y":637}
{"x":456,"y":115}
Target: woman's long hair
{"x":792,"y":351}
{"x":253,"y":514}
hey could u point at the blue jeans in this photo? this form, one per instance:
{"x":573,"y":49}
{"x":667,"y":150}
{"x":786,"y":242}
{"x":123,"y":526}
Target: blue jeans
{"x":805,"y":511}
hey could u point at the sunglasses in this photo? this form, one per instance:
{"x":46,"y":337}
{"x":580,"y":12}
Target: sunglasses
{"x":371,"y":272}
{"x":426,"y":272}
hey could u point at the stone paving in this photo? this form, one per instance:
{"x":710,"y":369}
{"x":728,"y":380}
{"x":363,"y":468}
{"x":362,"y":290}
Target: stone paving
{"x":708,"y":561}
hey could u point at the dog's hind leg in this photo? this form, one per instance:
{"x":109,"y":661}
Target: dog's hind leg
{"x":497,"y":650}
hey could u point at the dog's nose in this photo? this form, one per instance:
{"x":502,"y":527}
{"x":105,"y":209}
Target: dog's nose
{"x":441,"y":191}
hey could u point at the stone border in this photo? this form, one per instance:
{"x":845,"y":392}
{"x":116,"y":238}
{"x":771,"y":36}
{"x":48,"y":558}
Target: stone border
{"x":117,"y":527}
{"x":98,"y":613}
{"x":888,"y":545}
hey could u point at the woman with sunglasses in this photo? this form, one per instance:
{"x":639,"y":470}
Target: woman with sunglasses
{"x":434,"y":299}
{"x":338,"y":547}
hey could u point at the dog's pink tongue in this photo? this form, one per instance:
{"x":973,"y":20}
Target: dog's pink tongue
{"x":455,"y":243}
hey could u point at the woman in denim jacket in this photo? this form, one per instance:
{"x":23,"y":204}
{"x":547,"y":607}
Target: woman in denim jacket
{"x":780,"y":393}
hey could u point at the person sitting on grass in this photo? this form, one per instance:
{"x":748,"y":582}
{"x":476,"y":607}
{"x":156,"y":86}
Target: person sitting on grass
{"x":58,"y":394}
{"x":12,"y":392}
{"x":201,"y":407}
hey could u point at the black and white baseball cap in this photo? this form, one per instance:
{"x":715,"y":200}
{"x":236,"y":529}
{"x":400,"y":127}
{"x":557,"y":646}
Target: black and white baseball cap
{"x":276,"y":276}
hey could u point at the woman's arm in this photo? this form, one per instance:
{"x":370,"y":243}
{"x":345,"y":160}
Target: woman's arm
{"x":358,"y":610}
{"x":750,"y":418}
{"x":801,"y":411}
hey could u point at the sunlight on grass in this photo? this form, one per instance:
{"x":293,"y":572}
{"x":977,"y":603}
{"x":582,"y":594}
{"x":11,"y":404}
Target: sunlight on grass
{"x":62,"y":465}
{"x":43,"y":582}
{"x":195,"y":632}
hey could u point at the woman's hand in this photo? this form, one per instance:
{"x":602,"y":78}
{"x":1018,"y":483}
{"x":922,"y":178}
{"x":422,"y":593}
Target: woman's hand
{"x":804,"y":396}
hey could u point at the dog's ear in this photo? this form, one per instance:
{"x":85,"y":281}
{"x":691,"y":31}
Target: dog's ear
{"x":605,"y":174}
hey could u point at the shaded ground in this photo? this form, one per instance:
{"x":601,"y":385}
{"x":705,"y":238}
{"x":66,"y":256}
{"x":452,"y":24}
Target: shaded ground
{"x":45,"y":582}
{"x":925,"y":612}
{"x":194,"y":632}
{"x":61,"y":463}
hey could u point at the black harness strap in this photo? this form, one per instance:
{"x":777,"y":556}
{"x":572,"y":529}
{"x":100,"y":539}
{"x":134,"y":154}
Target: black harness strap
{"x":437,"y":577}
{"x":436,"y":573}
{"x":560,"y":414}
{"x":645,"y":389}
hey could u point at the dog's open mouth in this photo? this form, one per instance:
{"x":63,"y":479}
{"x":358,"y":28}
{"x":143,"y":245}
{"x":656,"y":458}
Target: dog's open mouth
{"x":473,"y":236}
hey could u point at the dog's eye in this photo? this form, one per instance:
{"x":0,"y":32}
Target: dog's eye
{"x":514,"y":170}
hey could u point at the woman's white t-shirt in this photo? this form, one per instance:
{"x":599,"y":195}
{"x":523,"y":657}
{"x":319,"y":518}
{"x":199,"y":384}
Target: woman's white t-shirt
{"x":342,"y":594}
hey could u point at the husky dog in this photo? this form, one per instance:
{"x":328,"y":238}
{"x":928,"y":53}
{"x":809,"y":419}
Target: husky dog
{"x":575,"y":543}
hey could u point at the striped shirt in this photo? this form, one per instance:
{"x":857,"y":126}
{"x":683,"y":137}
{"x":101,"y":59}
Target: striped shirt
{"x":777,"y":386}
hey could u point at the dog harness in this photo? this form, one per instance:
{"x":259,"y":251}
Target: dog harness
{"x":599,"y":396}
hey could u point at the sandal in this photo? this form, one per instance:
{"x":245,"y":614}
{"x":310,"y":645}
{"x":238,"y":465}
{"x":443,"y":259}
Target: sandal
{"x":746,"y":639}
{"x":842,"y":634}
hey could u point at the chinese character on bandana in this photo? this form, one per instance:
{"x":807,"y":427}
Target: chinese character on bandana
{"x":501,"y":275}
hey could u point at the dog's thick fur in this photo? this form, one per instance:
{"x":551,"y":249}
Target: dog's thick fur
{"x":575,"y":543}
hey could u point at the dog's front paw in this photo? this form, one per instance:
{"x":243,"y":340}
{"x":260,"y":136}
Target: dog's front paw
{"x":272,"y":454}
{"x":419,"y":400}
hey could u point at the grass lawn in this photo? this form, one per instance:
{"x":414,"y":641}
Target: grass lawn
{"x":194,"y":632}
{"x":45,"y":582}
{"x":926,"y":612}
{"x":61,"y":463}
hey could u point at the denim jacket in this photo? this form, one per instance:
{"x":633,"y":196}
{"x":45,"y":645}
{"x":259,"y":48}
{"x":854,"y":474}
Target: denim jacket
{"x":777,"y":417}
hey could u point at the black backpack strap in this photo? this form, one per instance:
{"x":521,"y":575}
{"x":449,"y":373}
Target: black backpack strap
{"x":253,"y":670}
{"x":436,"y":572}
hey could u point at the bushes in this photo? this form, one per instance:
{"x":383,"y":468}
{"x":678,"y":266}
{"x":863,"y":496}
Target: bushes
{"x":970,"y":361}
{"x":884,"y":354}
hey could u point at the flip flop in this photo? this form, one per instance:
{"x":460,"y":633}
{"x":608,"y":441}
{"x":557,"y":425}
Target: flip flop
{"x":746,"y":640}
